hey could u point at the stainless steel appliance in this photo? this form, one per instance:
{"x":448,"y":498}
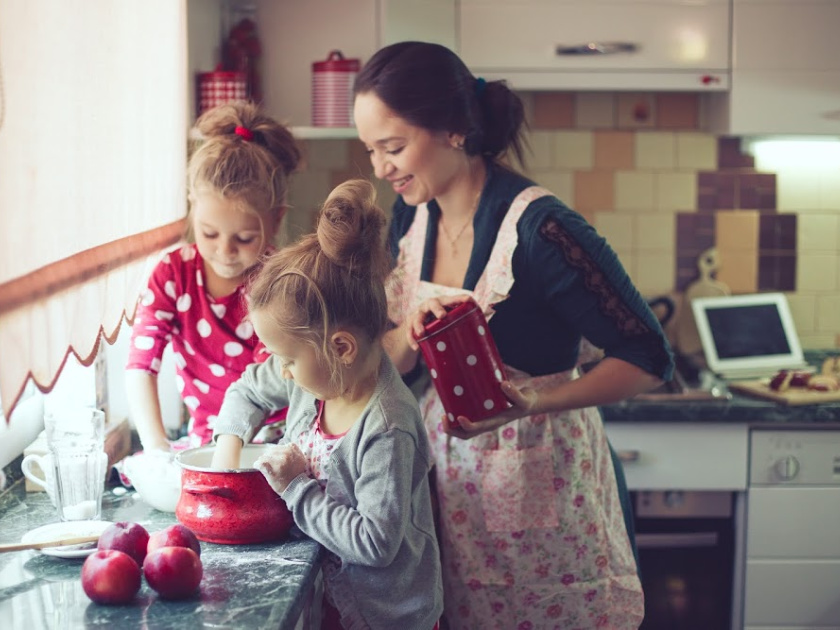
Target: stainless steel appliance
{"x":687,"y":550}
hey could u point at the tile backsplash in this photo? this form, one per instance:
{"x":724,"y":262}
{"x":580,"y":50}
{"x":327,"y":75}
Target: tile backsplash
{"x":662,"y":191}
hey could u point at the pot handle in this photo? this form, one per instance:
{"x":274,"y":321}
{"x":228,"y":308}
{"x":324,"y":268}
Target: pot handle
{"x":200,"y":488}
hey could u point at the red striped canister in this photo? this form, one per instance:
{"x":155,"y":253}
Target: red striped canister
{"x":332,"y":90}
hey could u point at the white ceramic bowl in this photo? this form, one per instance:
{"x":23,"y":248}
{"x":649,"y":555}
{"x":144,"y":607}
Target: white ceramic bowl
{"x":156,"y":479}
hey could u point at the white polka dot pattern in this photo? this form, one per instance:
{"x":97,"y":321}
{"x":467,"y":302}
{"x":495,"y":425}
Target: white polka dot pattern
{"x":472,"y":360}
{"x":458,"y":390}
{"x":169,"y":289}
{"x":147,"y":298}
{"x":180,"y":361}
{"x":233,"y":349}
{"x":216,"y":369}
{"x":183,"y":303}
{"x":188,"y":348}
{"x":245,"y":330}
{"x":191,"y":401}
{"x":187,"y":253}
{"x":179,"y":383}
{"x":201,"y":386}
{"x":155,"y":364}
{"x":164,"y":316}
{"x":488,"y":404}
{"x":481,"y":330}
{"x":441,"y":346}
{"x":144,"y":343}
{"x":498,"y":374}
{"x":203,"y":328}
{"x":219,"y":310}
{"x":433,"y":372}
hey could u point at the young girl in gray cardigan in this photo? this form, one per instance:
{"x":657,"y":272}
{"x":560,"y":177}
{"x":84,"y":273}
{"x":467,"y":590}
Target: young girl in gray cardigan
{"x":353,"y":465}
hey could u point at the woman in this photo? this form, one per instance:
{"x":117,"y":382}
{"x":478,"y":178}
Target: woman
{"x":532,"y":528}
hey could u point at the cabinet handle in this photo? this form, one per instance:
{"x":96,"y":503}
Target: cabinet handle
{"x":628,"y":456}
{"x":676,"y":541}
{"x":597,"y":48}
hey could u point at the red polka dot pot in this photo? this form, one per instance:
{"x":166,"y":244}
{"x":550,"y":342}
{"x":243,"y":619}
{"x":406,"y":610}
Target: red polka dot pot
{"x":230,"y":507}
{"x":464,"y":363}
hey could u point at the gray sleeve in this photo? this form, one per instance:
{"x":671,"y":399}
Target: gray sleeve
{"x":259,"y":392}
{"x":371,"y":533}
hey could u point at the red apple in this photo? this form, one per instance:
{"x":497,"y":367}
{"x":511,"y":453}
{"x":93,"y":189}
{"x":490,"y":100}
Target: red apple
{"x":174,"y":536}
{"x":174,"y":572}
{"x":110,"y":577}
{"x":132,"y":538}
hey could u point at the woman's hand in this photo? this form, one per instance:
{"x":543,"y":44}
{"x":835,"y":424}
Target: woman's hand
{"x":524,"y":401}
{"x":280,"y":465}
{"x":434,"y":306}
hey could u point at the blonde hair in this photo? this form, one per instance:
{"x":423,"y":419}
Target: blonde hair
{"x":333,"y":278}
{"x":254,"y":171}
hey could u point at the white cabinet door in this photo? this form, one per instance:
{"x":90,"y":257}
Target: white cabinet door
{"x":785,"y":69}
{"x":519,"y":41}
{"x":784,"y":594}
{"x":681,"y":456}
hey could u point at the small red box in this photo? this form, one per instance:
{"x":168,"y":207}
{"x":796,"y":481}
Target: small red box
{"x":219,"y":87}
{"x":464,"y":363}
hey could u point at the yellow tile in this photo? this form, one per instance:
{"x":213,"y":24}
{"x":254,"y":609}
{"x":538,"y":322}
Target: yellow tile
{"x":817,"y":232}
{"x":818,"y":341}
{"x":830,"y":190}
{"x":614,"y":149}
{"x":739,"y":270}
{"x":541,"y":154}
{"x":803,"y":310}
{"x":676,"y":192}
{"x":654,"y":272}
{"x":595,"y":110}
{"x":594,"y":190}
{"x":634,"y":190}
{"x":553,"y":110}
{"x":627,"y":258}
{"x":616,"y":228}
{"x":697,"y":151}
{"x":636,"y":110}
{"x":561,"y":183}
{"x":655,"y":232}
{"x":573,"y":149}
{"x":737,"y":231}
{"x":816,"y":272}
{"x":797,"y":190}
{"x":828,"y":313}
{"x":656,"y":150}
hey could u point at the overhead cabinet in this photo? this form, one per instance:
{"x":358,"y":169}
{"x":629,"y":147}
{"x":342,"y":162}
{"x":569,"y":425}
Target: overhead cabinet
{"x":786,"y":69}
{"x":598,"y":44}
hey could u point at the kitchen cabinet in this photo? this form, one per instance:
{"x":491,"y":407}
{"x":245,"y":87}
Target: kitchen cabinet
{"x":785,"y":69}
{"x":553,"y":45}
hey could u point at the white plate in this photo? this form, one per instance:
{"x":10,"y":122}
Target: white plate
{"x":70,"y":529}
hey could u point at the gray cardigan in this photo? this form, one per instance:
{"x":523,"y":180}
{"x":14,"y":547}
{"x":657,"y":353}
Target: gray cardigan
{"x":375,"y":513}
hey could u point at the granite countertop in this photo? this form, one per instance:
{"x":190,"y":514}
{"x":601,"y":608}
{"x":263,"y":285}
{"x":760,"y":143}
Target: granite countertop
{"x":730,"y":408}
{"x":244,"y":586}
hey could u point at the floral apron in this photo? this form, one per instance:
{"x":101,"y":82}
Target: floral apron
{"x":532,"y":530}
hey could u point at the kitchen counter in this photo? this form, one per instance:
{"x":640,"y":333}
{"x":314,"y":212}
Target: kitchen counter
{"x":244,"y":586}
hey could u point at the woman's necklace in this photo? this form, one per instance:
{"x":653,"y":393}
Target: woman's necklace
{"x":453,"y":240}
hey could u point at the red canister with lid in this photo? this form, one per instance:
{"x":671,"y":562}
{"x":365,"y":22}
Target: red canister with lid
{"x":332,"y":90}
{"x":464,"y":363}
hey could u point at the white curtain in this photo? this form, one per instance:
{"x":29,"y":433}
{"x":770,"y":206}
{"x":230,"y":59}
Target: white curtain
{"x":93,"y":141}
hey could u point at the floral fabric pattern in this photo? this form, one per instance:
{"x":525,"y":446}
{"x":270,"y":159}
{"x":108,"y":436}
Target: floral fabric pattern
{"x":557,"y":557}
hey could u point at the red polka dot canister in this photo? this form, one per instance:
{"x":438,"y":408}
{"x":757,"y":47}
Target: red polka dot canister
{"x":464,"y":363}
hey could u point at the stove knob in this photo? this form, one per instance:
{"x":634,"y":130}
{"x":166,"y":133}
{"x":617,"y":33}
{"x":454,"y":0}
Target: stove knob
{"x":787,"y":468}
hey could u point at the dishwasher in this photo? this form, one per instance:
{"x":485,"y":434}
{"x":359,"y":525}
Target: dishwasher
{"x":792,"y":573}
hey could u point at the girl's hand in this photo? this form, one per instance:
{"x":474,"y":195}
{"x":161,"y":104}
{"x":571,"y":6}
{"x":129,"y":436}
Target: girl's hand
{"x":435,"y":306}
{"x":524,"y":404}
{"x":227,"y":452}
{"x":280,"y":465}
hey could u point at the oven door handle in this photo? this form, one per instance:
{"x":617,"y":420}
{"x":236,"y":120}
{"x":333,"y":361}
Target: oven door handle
{"x":676,"y":541}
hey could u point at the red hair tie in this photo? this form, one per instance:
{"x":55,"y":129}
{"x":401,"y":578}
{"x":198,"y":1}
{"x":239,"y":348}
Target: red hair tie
{"x":245,"y":133}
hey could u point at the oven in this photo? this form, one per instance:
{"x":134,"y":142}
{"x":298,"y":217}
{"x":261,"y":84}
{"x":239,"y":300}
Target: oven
{"x":687,"y":542}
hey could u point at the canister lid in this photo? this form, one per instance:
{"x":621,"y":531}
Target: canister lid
{"x":455,"y":313}
{"x":336,"y":62}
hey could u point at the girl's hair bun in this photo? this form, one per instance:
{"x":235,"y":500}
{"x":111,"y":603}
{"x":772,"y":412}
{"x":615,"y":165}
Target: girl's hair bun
{"x":350,"y":229}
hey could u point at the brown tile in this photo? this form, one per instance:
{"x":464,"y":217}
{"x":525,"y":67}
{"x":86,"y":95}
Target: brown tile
{"x":731,"y":156}
{"x":636,"y":110}
{"x":695,"y":233}
{"x":554,"y":110}
{"x":614,"y":150}
{"x":716,"y":190}
{"x":777,"y":272}
{"x":594,"y":190}
{"x":777,"y":233}
{"x":757,"y":191}
{"x":677,"y":110}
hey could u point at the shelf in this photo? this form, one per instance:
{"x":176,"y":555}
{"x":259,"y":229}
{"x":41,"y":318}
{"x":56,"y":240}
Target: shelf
{"x":324,"y":133}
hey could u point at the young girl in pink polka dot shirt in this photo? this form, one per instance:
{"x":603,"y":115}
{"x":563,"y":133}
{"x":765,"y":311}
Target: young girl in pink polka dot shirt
{"x":194,"y":300}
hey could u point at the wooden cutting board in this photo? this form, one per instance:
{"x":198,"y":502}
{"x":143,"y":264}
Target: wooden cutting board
{"x":793,"y":396}
{"x":687,"y":338}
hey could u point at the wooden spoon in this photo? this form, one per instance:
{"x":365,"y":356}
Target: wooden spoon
{"x":78,"y":540}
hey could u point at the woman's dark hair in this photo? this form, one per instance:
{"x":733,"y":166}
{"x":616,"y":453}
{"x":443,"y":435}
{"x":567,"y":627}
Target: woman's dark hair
{"x":430,"y":87}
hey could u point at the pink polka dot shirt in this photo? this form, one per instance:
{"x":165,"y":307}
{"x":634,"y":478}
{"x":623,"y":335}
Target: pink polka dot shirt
{"x":212,"y":340}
